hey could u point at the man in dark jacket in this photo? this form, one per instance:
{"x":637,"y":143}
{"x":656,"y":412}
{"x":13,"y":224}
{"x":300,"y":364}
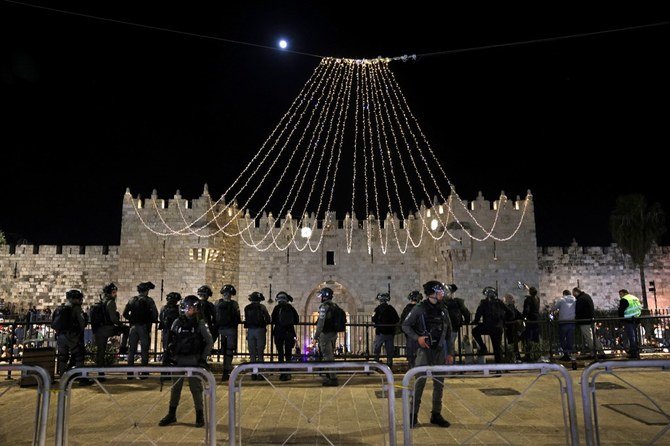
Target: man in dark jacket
{"x":190,"y":342}
{"x":284,"y":319}
{"x":411,"y":345}
{"x":111,"y":326}
{"x":428,"y":323}
{"x":207,"y":310}
{"x":385,"y":319}
{"x":531,"y":314}
{"x":459,"y":316}
{"x":493,"y":313}
{"x":584,"y":314}
{"x":141,"y":311}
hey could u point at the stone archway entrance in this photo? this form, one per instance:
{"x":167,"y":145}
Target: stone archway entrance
{"x":343,"y":298}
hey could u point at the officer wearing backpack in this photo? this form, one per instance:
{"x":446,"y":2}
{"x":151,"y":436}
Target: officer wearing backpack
{"x":69,"y":322}
{"x":326,"y":332}
{"x":141,"y":311}
{"x":385,"y":319}
{"x":284,"y":318}
{"x":256,"y":319}
{"x":207,"y":310}
{"x":459,"y":315}
{"x":105,"y":323}
{"x":411,"y":345}
{"x":189,"y":345}
{"x":428,"y":323}
{"x":169,"y":313}
{"x":227,"y":319}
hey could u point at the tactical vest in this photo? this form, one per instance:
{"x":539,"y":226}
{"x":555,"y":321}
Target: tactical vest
{"x":634,"y":308}
{"x":187,"y":337}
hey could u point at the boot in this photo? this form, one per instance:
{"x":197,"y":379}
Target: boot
{"x":436,"y":418}
{"x":170,"y":418}
{"x":415,"y":420}
{"x":199,"y":418}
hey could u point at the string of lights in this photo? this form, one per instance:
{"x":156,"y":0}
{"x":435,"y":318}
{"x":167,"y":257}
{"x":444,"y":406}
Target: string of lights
{"x":346,"y":103}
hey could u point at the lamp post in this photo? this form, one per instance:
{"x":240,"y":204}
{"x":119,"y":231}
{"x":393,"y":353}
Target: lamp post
{"x":652,"y":288}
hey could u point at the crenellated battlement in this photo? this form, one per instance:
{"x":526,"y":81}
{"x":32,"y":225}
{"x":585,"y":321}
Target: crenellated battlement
{"x":58,"y":250}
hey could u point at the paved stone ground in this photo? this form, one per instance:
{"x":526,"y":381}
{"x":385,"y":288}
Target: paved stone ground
{"x":302,"y":412}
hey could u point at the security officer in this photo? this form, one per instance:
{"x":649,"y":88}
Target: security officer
{"x":69,"y":322}
{"x":227,"y":320}
{"x":411,"y":345}
{"x":256,"y":319}
{"x":112,"y":326}
{"x":428,"y":323}
{"x":385,"y":319}
{"x":169,"y":313}
{"x":141,"y":311}
{"x":284,"y":318}
{"x":492,"y":313}
{"x":189,"y":345}
{"x":630,"y":308}
{"x":325,"y":334}
{"x":207,"y":310}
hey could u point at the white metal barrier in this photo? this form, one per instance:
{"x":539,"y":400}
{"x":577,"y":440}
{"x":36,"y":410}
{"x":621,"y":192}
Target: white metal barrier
{"x":567,"y":395}
{"x":589,"y":377}
{"x":72,"y":375}
{"x":353,"y":368}
{"x":42,"y":406}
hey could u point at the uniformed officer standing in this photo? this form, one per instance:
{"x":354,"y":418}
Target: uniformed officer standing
{"x":428,"y":323}
{"x":227,"y":320}
{"x":141,"y":311}
{"x":190,"y":342}
{"x":207,"y":310}
{"x":69,"y":322}
{"x":411,"y":345}
{"x":325,"y":334}
{"x":111,"y":326}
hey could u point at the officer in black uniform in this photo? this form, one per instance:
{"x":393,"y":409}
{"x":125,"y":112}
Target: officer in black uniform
{"x":325,"y":334}
{"x":385,"y":319}
{"x":141,"y":311}
{"x":169,"y":313}
{"x":112,"y":326}
{"x":411,"y":345}
{"x":227,"y":319}
{"x":428,"y":323}
{"x":69,"y":326}
{"x":493,"y":313}
{"x":189,"y":345}
{"x":284,"y":318}
{"x":207,"y":310}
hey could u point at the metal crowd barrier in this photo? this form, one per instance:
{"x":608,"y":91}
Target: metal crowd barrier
{"x":569,"y":419}
{"x":235,"y":386}
{"x":42,"y":406}
{"x":589,"y":405}
{"x":68,"y":378}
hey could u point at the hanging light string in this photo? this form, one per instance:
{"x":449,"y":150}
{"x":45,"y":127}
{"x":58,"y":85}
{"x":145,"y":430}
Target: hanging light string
{"x":303,"y":154}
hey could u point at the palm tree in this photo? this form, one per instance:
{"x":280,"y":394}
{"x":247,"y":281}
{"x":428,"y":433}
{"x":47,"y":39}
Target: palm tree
{"x":635,"y":227}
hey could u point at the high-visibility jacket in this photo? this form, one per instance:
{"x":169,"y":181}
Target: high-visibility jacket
{"x":634,"y":308}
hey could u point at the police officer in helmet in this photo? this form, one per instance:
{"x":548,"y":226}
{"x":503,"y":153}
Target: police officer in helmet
{"x":428,"y":323}
{"x":207,"y":310}
{"x":325,"y":335}
{"x":227,"y":319}
{"x":69,"y":322}
{"x":411,"y":345}
{"x":190,"y":342}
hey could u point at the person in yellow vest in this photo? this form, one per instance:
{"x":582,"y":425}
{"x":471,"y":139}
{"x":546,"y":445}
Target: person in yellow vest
{"x":630,"y":308}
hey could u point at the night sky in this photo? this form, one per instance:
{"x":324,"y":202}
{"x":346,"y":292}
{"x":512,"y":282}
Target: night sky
{"x":577,"y":121}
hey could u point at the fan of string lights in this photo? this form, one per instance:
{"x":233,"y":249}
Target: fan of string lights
{"x":350,"y":132}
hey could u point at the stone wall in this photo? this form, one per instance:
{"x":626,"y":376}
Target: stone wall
{"x":602,"y":272}
{"x":40,"y":275}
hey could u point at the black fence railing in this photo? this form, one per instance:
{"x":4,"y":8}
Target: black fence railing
{"x":356,"y":343}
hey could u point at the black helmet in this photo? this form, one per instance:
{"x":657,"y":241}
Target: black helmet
{"x":415,"y":296}
{"x":432,"y":287}
{"x":256,"y":296}
{"x":109,"y":288}
{"x":383,"y":297}
{"x":173,"y":297}
{"x":228,"y":289}
{"x":204,"y":291}
{"x":145,"y":286}
{"x":490,"y":292}
{"x":283,"y":295}
{"x":74,"y":294}
{"x":325,"y":294}
{"x":188,"y":302}
{"x":452,"y":288}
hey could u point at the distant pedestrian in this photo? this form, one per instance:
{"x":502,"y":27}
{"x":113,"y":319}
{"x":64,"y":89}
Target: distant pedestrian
{"x":584,"y":315}
{"x":565,"y":306}
{"x":630,"y":308}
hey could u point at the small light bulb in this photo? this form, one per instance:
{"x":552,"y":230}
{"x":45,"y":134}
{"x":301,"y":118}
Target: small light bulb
{"x":306,"y":232}
{"x":283,"y":44}
{"x":433,"y":224}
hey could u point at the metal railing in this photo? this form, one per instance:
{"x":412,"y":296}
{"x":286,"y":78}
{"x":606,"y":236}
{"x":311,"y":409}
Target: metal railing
{"x":42,"y":406}
{"x":588,"y":387}
{"x":69,"y":377}
{"x":428,"y":372}
{"x":351,"y":368}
